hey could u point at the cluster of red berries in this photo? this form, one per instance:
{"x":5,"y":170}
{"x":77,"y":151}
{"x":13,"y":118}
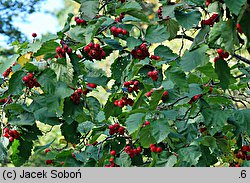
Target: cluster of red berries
{"x":214,"y":18}
{"x":11,"y":134}
{"x":112,"y":160}
{"x":132,"y":152}
{"x":155,"y":149}
{"x":141,"y":52}
{"x":153,"y":74}
{"x":239,"y":28}
{"x":202,"y":129}
{"x":222,"y":54}
{"x":116,"y":129}
{"x":117,"y":30}
{"x":8,"y":71}
{"x":119,"y":19}
{"x":123,"y":102}
{"x":30,"y":81}
{"x":61,"y":51}
{"x":94,"y":51}
{"x":155,"y":57}
{"x":195,"y":98}
{"x":244,"y":153}
{"x":76,"y":96}
{"x":159,"y":12}
{"x":208,"y":2}
{"x":131,"y":85}
{"x":80,"y":21}
{"x":164,"y":95}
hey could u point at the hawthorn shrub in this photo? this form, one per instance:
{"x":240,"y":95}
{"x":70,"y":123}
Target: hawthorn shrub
{"x":164,"y":107}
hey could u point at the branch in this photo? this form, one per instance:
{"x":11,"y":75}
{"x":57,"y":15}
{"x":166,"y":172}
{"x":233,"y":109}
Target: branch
{"x":185,"y":37}
{"x":241,"y":58}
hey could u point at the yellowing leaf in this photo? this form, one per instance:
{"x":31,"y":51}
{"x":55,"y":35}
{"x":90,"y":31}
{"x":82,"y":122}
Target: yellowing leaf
{"x":22,"y":60}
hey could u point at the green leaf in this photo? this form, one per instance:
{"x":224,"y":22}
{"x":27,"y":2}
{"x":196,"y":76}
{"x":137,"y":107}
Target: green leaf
{"x":194,"y":58}
{"x":70,"y":132}
{"x":207,"y":159}
{"x":133,"y":42}
{"x":215,"y":118}
{"x":3,"y":152}
{"x":155,"y":98}
{"x":8,"y":62}
{"x":93,"y":106}
{"x":117,"y":68}
{"x":172,"y":27}
{"x":38,"y":149}
{"x":235,"y":6}
{"x":138,"y":14}
{"x":128,"y":6}
{"x":134,"y":122}
{"x":16,"y":84}
{"x":165,"y":53}
{"x":89,"y":9}
{"x":77,"y":34}
{"x":47,"y":80}
{"x":156,"y":34}
{"x":244,"y":23}
{"x":46,"y":116}
{"x":23,"y":119}
{"x":21,"y":151}
{"x":169,"y":10}
{"x":177,"y":76}
{"x":113,"y":43}
{"x":224,"y":34}
{"x":124,"y":160}
{"x":145,"y":136}
{"x":208,"y":70}
{"x":85,"y":127}
{"x":201,"y":37}
{"x":242,"y":119}
{"x":209,"y":142}
{"x":190,"y":154}
{"x":188,"y":20}
{"x":160,"y":129}
{"x":223,"y":72}
{"x":46,"y":48}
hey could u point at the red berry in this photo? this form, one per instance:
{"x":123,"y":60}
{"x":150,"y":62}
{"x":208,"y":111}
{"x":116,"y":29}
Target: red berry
{"x":11,"y":139}
{"x":155,"y":72}
{"x":30,"y":76}
{"x":91,"y":85}
{"x":126,"y":84}
{"x":111,"y":160}
{"x":25,"y":79}
{"x":113,"y":153}
{"x":47,"y":150}
{"x":91,"y":45}
{"x":248,"y":157}
{"x":120,"y":103}
{"x":239,"y":28}
{"x":196,"y":97}
{"x":165,"y":93}
{"x":150,"y":73}
{"x":6,"y":130}
{"x":146,"y":123}
{"x":87,"y":49}
{"x":124,"y":32}
{"x":34,"y":34}
{"x":96,"y":46}
{"x":113,"y":29}
{"x":116,"y":102}
{"x":153,"y":149}
{"x":244,"y":148}
{"x":159,"y":150}
{"x":139,"y":150}
{"x":49,"y":161}
{"x":6,"y":135}
{"x":73,"y":155}
{"x":119,"y":30}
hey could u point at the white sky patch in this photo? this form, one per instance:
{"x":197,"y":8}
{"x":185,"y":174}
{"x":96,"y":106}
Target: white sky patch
{"x":39,"y":22}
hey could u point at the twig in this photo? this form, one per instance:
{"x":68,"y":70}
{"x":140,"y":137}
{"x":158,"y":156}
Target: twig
{"x":242,"y":58}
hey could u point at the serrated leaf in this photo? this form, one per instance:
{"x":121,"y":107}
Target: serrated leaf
{"x":165,"y":53}
{"x":124,"y":160}
{"x":47,"y":80}
{"x":190,"y":154}
{"x":188,"y":20}
{"x":224,"y":34}
{"x":235,"y":6}
{"x":134,"y":122}
{"x":16,"y":84}
{"x":145,"y":136}
{"x":89,"y":9}
{"x":70,"y":132}
{"x":172,"y":27}
{"x":223,"y":72}
{"x":3,"y":152}
{"x":133,"y":42}
{"x":194,"y":58}
{"x":85,"y":126}
{"x":117,"y":68}
{"x":156,"y":34}
{"x":160,"y":129}
{"x":177,"y":76}
{"x":155,"y":98}
{"x":93,"y":106}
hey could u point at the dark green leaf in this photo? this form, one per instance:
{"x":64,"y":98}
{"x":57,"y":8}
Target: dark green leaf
{"x":156,"y":34}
